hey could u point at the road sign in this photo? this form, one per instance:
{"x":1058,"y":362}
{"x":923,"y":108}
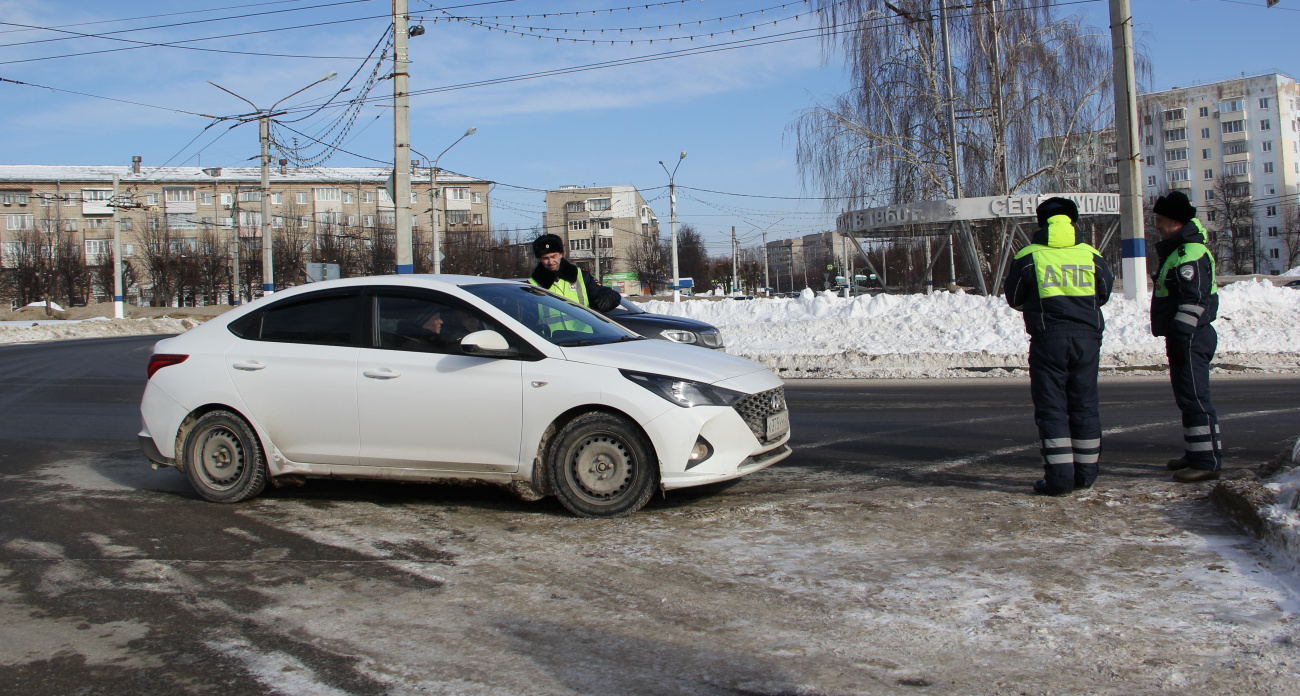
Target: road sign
{"x":317,"y":272}
{"x":391,"y":186}
{"x":441,"y":256}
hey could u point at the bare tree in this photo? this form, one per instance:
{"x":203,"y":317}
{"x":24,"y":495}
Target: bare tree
{"x":1231,"y":222}
{"x":27,"y":259}
{"x":1290,"y":236}
{"x":692,"y":257}
{"x":213,"y":265}
{"x":161,"y":261}
{"x":649,"y":261}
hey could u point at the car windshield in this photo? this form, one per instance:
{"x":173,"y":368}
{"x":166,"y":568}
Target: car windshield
{"x":553,"y":318}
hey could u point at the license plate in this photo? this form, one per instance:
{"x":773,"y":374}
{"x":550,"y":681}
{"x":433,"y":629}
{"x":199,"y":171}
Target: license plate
{"x":778,"y":424}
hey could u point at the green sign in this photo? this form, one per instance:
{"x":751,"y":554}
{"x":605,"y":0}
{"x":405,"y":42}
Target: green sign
{"x":620,"y":276}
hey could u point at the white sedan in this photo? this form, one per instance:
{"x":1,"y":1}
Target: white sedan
{"x":424,"y":378}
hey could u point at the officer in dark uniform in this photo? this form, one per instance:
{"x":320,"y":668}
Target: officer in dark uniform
{"x":557,"y":274}
{"x":1060,"y":284}
{"x":1185,"y":302}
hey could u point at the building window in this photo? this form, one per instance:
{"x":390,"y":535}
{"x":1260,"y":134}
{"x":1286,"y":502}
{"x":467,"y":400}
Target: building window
{"x":1146,"y":119}
{"x":1212,"y":215}
{"x":19,"y":222}
{"x":70,"y":199}
{"x":1265,"y":124}
{"x":1175,"y":114}
{"x":1236,"y":169}
{"x":1209,"y":195}
{"x":367,"y":196}
{"x":478,"y":196}
{"x":1151,"y":161}
{"x":1272,"y":253}
{"x":277,"y":198}
{"x":1179,"y":174}
{"x":598,"y":204}
{"x":178,"y":195}
{"x":277,"y":222}
{"x":1231,"y":106}
{"x":250,"y":196}
{"x":127,"y":225}
{"x":1209,"y":174}
{"x":1270,"y":211}
{"x":1176,"y":134}
{"x":300,"y":198}
{"x":347,"y":197}
{"x":583,"y":244}
{"x":478,"y":218}
{"x":326,"y":194}
{"x":458,"y":217}
{"x":575,"y":206}
{"x":1204,"y":112}
{"x":606,"y":242}
{"x":46,"y":199}
{"x":1230,"y":127}
{"x":1205,"y":133}
{"x":1238,"y":147}
{"x":1268,"y":167}
{"x":205,"y":198}
{"x":415,"y":197}
{"x":387,"y":218}
{"x":1151,"y":140}
{"x":227,"y":223}
{"x":1206,"y":153}
{"x":225,"y":199}
{"x":1263,"y":102}
{"x":1177,"y":155}
{"x":98,"y":248}
{"x":1151,"y":181}
{"x":604,"y":224}
{"x":1272,"y":231}
{"x":367,"y":220}
{"x":383,"y":195}
{"x":151,"y":199}
{"x":1267,"y":146}
{"x":577,"y":225}
{"x":456,"y":194}
{"x":1270,"y":190}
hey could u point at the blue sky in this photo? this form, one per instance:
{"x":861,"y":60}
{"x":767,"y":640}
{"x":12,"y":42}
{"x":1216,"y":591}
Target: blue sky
{"x":728,"y":109}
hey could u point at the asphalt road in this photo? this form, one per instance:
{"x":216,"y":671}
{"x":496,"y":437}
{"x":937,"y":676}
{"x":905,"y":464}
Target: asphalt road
{"x":118,"y":579}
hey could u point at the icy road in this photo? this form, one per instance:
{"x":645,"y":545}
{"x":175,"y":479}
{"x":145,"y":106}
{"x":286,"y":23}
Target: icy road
{"x":897,"y":552}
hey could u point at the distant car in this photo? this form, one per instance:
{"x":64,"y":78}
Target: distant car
{"x":426,"y":378}
{"x":675,"y":329}
{"x":1294,"y":284}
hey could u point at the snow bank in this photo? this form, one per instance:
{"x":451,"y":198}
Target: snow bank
{"x":1283,"y":518}
{"x":946,"y":331}
{"x":27,"y":332}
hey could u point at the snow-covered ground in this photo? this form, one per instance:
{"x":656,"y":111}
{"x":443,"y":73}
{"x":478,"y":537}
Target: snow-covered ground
{"x":935,"y":335}
{"x":63,"y":330}
{"x":1283,"y":516}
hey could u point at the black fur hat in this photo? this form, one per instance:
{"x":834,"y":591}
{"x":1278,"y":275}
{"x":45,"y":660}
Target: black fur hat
{"x":1175,"y":206}
{"x":1057,"y":206}
{"x":546,"y":244}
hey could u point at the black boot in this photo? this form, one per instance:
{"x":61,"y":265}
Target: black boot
{"x":1176,"y":464}
{"x":1190,"y":475}
{"x":1041,"y":487}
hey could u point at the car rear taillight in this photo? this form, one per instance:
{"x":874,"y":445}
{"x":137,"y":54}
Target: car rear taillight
{"x":158,"y":361}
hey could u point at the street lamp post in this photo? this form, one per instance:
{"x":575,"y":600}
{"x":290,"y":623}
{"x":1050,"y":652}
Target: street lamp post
{"x":435,"y":256}
{"x":672,"y":203}
{"x":264,"y":135}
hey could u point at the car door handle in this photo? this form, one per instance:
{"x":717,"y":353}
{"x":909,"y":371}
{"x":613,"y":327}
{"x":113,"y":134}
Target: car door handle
{"x":249,"y":366}
{"x":381,"y":374}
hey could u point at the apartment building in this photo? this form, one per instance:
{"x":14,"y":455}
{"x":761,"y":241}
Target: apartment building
{"x":1237,"y":139}
{"x":1080,"y":162}
{"x":603,"y":227}
{"x":185,"y":201}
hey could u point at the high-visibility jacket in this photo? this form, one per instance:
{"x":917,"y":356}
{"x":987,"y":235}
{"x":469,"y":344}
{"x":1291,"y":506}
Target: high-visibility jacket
{"x":1059,"y":283}
{"x":569,"y":282}
{"x":1186,"y":293}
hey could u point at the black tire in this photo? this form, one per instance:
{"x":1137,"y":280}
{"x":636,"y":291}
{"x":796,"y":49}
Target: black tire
{"x":602,"y":466}
{"x":223,"y":458}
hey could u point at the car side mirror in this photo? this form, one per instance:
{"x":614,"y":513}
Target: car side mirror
{"x":488,"y":344}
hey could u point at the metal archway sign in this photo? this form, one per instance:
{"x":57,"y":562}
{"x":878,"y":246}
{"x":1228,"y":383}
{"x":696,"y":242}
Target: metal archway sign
{"x":952,"y":218}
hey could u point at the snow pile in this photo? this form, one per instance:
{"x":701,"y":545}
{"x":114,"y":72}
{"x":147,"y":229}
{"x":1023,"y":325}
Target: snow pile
{"x":946,"y":331}
{"x":27,"y":332}
{"x":1293,"y":273}
{"x":1282,"y":517}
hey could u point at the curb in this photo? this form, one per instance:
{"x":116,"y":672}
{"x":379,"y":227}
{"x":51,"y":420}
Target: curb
{"x":1247,"y":501}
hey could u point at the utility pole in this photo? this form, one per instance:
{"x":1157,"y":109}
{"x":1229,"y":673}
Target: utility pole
{"x":1133,"y":243}
{"x":402,"y":141}
{"x":767,"y":284}
{"x":955,"y":163}
{"x":672,"y":202}
{"x":119,"y":311}
{"x":268,"y":260}
{"x":735,"y":277}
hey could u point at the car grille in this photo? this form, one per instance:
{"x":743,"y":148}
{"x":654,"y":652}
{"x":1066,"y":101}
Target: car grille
{"x":710,"y":339}
{"x":755,"y":409}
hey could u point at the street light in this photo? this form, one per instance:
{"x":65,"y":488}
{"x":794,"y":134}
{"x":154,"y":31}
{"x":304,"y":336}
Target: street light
{"x":264,"y":135}
{"x":672,"y":202}
{"x":436,"y":256}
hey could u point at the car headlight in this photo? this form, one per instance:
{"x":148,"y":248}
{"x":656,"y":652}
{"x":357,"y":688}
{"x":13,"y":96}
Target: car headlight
{"x":684,"y":392}
{"x":677,"y":336}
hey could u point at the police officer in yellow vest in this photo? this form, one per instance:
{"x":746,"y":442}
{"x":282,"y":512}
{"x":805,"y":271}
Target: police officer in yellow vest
{"x":1060,"y":284}
{"x":1183,"y":305}
{"x":557,"y":274}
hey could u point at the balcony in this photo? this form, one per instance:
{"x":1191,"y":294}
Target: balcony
{"x":1180,"y":185}
{"x":1238,"y":157}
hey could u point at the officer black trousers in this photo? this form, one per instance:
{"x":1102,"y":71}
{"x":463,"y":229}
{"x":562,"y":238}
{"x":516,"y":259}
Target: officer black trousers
{"x":1189,"y":372}
{"x":1063,"y":384}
